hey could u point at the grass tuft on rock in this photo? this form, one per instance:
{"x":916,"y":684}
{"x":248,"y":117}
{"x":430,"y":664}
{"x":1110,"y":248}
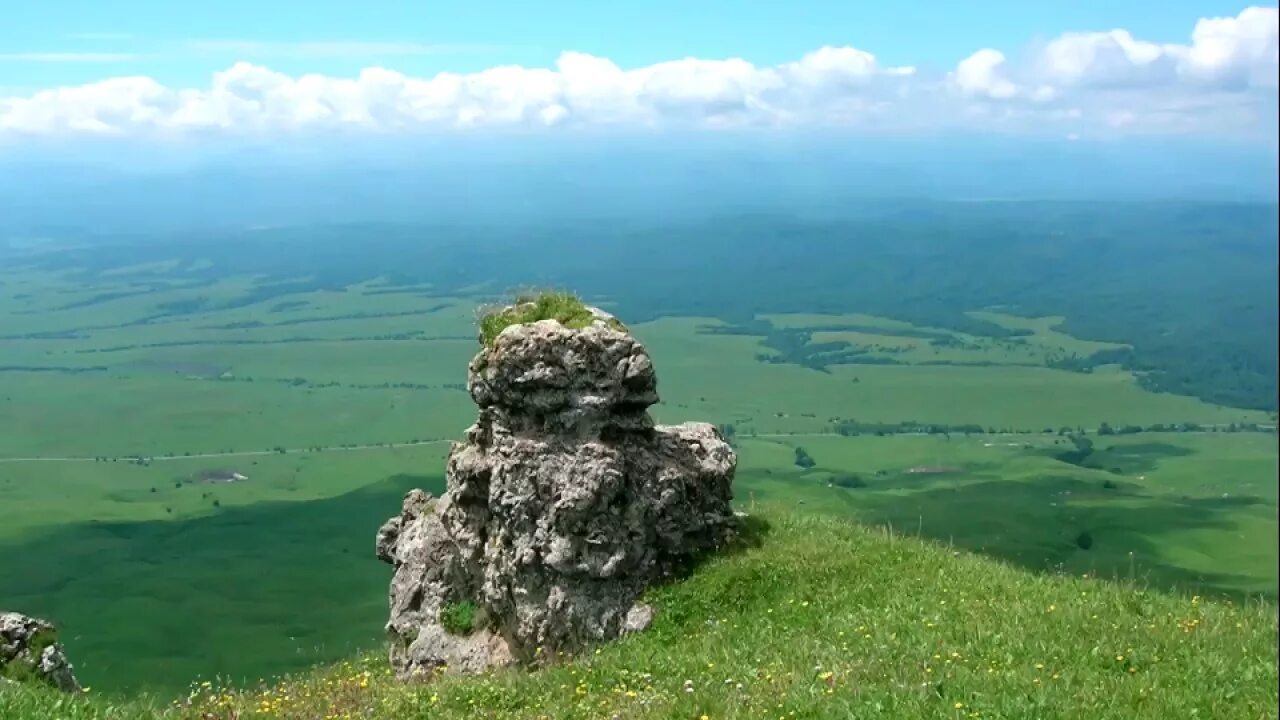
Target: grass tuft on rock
{"x":563,"y":307}
{"x":24,"y":667}
{"x":460,"y":618}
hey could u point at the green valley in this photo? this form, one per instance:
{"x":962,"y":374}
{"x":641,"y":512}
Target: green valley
{"x":131,"y":394}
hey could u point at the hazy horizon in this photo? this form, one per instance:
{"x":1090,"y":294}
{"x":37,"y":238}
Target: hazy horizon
{"x":486,"y":179}
{"x":431,"y":113}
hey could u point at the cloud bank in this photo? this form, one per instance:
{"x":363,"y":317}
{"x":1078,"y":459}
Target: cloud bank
{"x":1221,"y":82}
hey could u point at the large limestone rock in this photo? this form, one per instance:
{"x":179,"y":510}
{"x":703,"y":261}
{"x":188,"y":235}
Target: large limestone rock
{"x":563,"y":503}
{"x":29,"y":652}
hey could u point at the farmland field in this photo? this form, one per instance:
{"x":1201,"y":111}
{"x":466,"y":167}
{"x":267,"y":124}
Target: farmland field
{"x":123,"y":387}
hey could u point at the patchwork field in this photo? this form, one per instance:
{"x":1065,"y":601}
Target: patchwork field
{"x":128,"y":398}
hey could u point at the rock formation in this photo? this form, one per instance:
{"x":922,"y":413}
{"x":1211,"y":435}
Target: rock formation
{"x":563,"y":504}
{"x":29,"y":651}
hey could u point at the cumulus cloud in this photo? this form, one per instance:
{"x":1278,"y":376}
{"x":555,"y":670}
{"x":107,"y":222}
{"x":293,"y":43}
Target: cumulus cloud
{"x":580,"y":88}
{"x":982,"y":74}
{"x":1224,"y":53}
{"x":1111,"y":58}
{"x":1222,"y":80}
{"x":1234,"y":51}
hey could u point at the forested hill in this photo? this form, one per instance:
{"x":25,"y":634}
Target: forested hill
{"x":1191,"y":287}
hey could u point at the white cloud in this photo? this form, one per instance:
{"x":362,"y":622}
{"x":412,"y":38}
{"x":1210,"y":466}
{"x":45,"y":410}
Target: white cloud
{"x":581,"y":88}
{"x":1225,"y":53}
{"x":103,"y":107}
{"x":1111,"y":58}
{"x":982,"y":74}
{"x":1234,"y":51}
{"x":1222,"y":80}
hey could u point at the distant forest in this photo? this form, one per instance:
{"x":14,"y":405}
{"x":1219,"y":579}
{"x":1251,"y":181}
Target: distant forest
{"x":1191,"y":287}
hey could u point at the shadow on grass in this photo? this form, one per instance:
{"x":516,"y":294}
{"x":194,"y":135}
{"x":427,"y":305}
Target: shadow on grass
{"x":1121,"y":459}
{"x":244,"y":593}
{"x":751,"y":533}
{"x":1039,"y":525}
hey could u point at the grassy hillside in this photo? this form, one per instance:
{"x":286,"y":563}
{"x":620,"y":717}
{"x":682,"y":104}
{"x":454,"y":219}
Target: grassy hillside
{"x":1196,"y":512}
{"x":816,"y":617}
{"x":244,"y":574}
{"x":361,"y":386}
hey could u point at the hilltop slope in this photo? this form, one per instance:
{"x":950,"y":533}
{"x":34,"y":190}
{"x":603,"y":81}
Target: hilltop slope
{"x":821,"y":618}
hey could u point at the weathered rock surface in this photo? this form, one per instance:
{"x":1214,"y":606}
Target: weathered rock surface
{"x":29,"y":651}
{"x":563,"y":504}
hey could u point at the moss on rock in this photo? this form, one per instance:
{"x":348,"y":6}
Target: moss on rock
{"x":563,"y":307}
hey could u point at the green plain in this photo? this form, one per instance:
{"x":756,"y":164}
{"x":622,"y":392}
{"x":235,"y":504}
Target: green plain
{"x":334,"y":403}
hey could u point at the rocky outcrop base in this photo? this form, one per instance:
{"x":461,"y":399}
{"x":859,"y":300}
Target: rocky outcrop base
{"x":564,"y":503}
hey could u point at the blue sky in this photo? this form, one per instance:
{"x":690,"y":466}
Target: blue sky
{"x":184,"y":42}
{"x":1073,"y":70}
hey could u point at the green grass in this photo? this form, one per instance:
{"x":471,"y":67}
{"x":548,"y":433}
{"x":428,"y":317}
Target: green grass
{"x":890,"y":339}
{"x":1044,"y":333}
{"x":702,"y":376}
{"x":460,"y":618}
{"x":248,"y":590}
{"x":1166,"y":520}
{"x":276,"y":573}
{"x":279,"y":541}
{"x":563,"y":307}
{"x":24,"y":668}
{"x":821,"y":618}
{"x":124,"y":492}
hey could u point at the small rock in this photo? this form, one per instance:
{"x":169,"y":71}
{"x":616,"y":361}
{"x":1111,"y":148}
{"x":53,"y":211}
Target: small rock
{"x":29,"y":650}
{"x":638,"y":619}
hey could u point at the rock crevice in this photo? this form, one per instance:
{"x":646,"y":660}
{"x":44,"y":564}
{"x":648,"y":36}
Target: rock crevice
{"x":564,"y":502}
